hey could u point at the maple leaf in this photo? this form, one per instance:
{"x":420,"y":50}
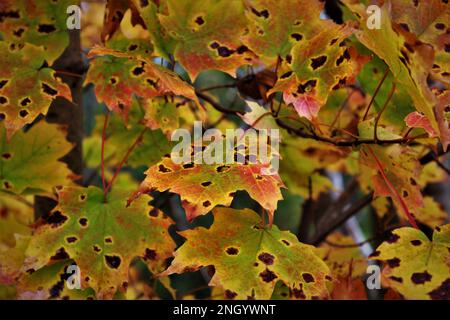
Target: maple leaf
{"x":29,"y":163}
{"x":429,"y":20}
{"x":237,"y":244}
{"x":208,"y":34}
{"x":316,"y":67}
{"x":41,"y":23}
{"x":395,"y":173}
{"x":117,"y":75}
{"x":204,"y":186}
{"x":102,"y":237}
{"x":259,"y":117}
{"x":415,"y":266}
{"x":275,"y":27}
{"x":26,"y":87}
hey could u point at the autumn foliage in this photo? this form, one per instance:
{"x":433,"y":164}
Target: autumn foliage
{"x":363,"y":115}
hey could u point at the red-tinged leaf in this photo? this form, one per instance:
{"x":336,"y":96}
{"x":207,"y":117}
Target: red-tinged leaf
{"x":418,"y":120}
{"x":305,"y":105}
{"x":429,"y":21}
{"x":315,"y":68}
{"x":202,"y":187}
{"x":395,"y":179}
{"x":26,"y":87}
{"x":118,"y":75}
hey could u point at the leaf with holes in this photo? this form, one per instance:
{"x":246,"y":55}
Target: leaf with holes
{"x":29,"y":163}
{"x":415,"y":266}
{"x":50,"y":282}
{"x":204,"y":186}
{"x":118,"y":75}
{"x":27,"y":87}
{"x":41,"y":23}
{"x":275,"y":27}
{"x":429,"y":20}
{"x":208,"y":34}
{"x":102,"y":237}
{"x":316,"y":67}
{"x":237,"y":244}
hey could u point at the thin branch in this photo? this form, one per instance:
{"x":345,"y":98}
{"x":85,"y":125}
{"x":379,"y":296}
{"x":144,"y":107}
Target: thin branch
{"x":67,"y":73}
{"x":375,"y":94}
{"x":125,"y":158}
{"x":216,"y":105}
{"x":391,"y":94}
{"x":344,"y":216}
{"x":440,"y":165}
{"x":105,"y":124}
{"x":341,"y":108}
{"x":355,"y":245}
{"x":220,"y":86}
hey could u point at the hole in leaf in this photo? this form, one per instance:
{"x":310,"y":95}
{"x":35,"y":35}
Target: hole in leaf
{"x":113,"y":261}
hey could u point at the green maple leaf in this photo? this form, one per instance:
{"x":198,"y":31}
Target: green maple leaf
{"x":101,"y":237}
{"x":27,"y":88}
{"x":29,"y":162}
{"x":250,"y":259}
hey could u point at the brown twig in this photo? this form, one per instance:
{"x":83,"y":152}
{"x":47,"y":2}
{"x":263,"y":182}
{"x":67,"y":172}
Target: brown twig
{"x":375,"y":94}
